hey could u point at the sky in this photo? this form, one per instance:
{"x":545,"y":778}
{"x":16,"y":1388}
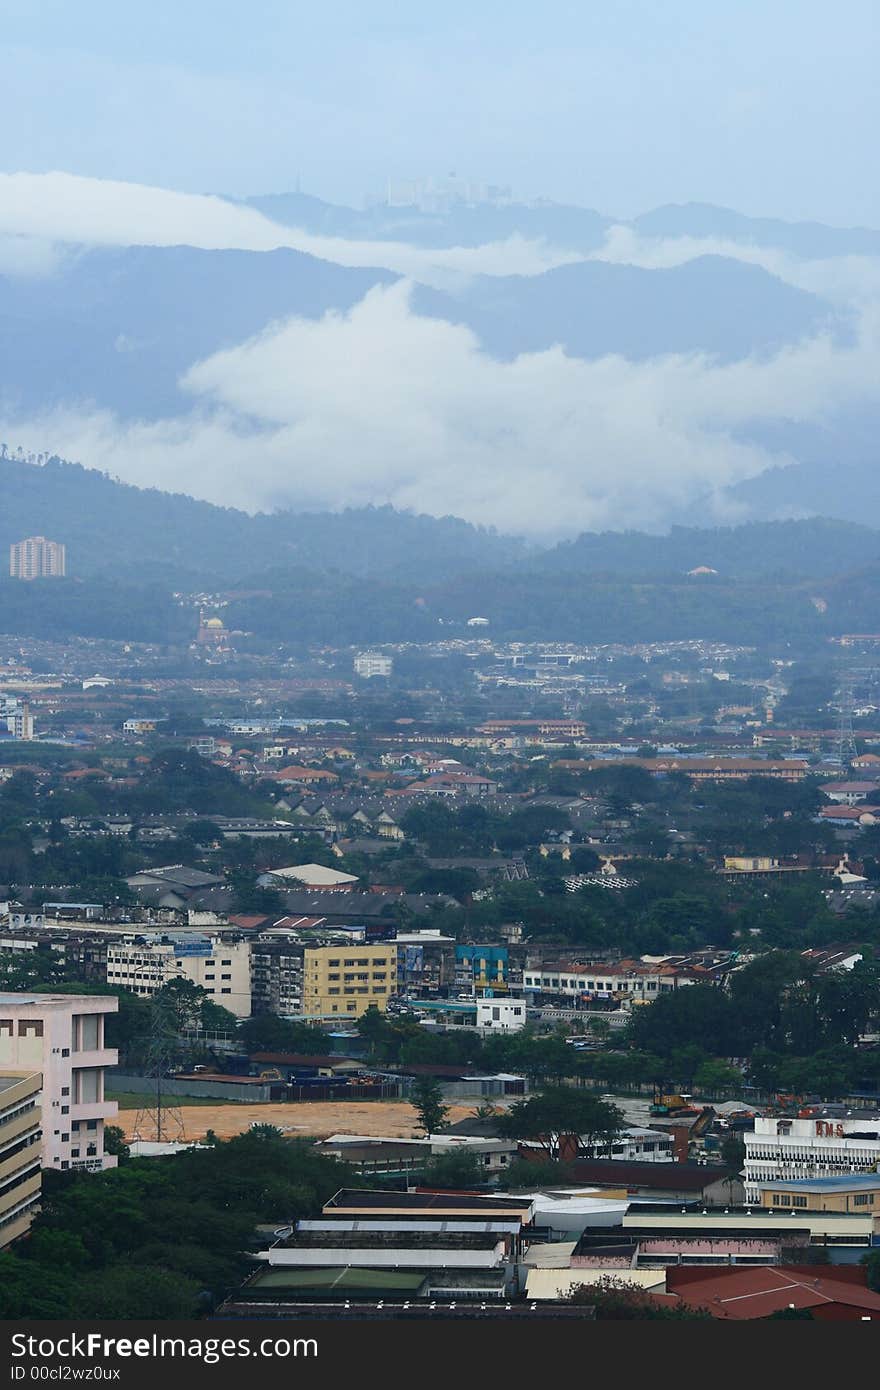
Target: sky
{"x":769,"y":108}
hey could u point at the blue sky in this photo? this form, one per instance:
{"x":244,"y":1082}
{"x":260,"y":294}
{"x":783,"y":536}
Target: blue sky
{"x":768,"y":107}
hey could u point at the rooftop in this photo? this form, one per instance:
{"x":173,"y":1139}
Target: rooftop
{"x":848,"y":1182}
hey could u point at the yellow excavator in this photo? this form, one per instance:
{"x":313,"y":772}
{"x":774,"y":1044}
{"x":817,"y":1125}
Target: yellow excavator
{"x":667,"y":1102}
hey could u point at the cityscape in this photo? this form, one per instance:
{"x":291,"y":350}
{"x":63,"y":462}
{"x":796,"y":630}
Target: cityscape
{"x":439,"y":683}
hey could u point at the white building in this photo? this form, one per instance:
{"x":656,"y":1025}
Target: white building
{"x":62,"y":1036}
{"x":367,"y":664}
{"x":501,"y":1015}
{"x":17,"y":717}
{"x":637,"y":982}
{"x":787,"y":1149}
{"x":143,"y":965}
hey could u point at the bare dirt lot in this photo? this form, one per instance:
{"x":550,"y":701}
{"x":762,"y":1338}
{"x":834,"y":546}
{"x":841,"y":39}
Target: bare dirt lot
{"x":307,"y":1118}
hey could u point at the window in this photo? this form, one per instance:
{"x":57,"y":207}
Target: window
{"x":31,"y":1028}
{"x":226,"y":990}
{"x":863,"y":1199}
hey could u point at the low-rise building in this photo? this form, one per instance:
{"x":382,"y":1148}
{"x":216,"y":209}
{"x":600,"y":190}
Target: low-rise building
{"x":500,"y":1015}
{"x":856,"y":1192}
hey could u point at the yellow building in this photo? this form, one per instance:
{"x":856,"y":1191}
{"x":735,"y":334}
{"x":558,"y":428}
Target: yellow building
{"x":847,"y":1192}
{"x":20,"y":1155}
{"x":343,"y":981}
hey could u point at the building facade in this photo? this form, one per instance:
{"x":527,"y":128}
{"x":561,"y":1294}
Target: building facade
{"x":37,"y":558}
{"x":144,"y":964}
{"x":277,"y":968}
{"x":368,"y":664}
{"x":62,"y":1036}
{"x":343,"y":981}
{"x":501,"y":1015}
{"x":20,"y":1159}
{"x":785,"y":1150}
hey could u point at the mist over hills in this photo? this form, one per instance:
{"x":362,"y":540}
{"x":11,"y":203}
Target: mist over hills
{"x":692,"y":365}
{"x":118,"y":327}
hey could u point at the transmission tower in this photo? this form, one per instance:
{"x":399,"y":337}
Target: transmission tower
{"x":159,"y":1120}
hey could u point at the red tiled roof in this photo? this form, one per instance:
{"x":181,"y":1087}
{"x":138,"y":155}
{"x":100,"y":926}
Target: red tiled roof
{"x":741,"y":1293}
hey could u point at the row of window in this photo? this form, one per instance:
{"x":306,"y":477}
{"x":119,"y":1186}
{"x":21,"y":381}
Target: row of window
{"x":16,"y":1213}
{"x":357,"y":989}
{"x":16,"y":1111}
{"x":382,"y":963}
{"x":377,"y":975}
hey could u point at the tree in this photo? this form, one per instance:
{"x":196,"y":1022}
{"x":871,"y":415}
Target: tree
{"x":614,"y":1300}
{"x":558,"y":1112}
{"x":427,"y":1099}
{"x":871,"y":1263}
{"x":375,"y":1030}
{"x":455,"y":1168}
{"x":114,"y":1142}
{"x":269,"y":1033}
{"x":715,"y":1075}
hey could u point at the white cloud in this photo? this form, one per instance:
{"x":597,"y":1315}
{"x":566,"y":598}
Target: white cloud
{"x":381,"y":405}
{"x":102,"y":212}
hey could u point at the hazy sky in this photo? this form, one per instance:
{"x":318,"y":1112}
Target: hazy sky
{"x":770,"y":106}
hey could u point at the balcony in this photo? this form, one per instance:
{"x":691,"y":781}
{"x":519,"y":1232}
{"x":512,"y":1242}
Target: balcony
{"x":94,"y":1110}
{"x":95,"y":1057}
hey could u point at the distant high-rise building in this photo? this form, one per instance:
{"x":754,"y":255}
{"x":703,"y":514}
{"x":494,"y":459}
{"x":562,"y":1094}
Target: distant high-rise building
{"x":37,"y":558}
{"x":367,"y":664}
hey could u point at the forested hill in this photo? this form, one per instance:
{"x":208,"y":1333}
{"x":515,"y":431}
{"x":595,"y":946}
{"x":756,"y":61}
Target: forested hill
{"x":374,"y":574}
{"x":114,"y":530}
{"x":810,"y":548}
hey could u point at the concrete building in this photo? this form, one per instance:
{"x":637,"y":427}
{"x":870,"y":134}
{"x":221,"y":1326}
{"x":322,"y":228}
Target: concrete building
{"x":481,"y":967}
{"x":20,"y":1165}
{"x":628,"y":980}
{"x":143,"y":964}
{"x":343,"y":981}
{"x":369,"y":664}
{"x":19,"y":720}
{"x":37,"y":558}
{"x":277,"y":976}
{"x":62,"y":1036}
{"x":501,"y":1015}
{"x":856,"y":1192}
{"x":785,"y":1150}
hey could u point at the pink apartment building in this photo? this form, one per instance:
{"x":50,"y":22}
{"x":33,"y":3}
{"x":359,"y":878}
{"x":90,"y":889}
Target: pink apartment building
{"x":62,"y":1036}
